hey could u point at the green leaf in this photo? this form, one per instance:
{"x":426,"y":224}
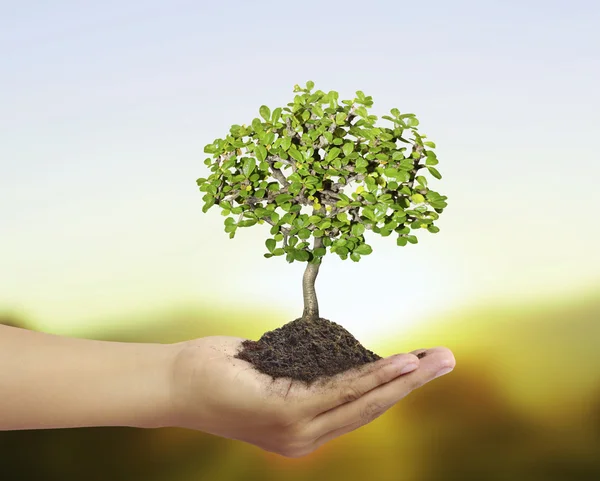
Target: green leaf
{"x":371,"y":184}
{"x":417,"y":198}
{"x":412,"y":239}
{"x":429,"y":144}
{"x":363,"y":249}
{"x":276,"y":115}
{"x":368,"y":196}
{"x":310,"y":85}
{"x":434,"y":172}
{"x":247,"y":223}
{"x":431,"y":159}
{"x":326,"y":224}
{"x":433,"y":229}
{"x":342,"y":217}
{"x":211,"y":189}
{"x":369,"y":214}
{"x":295,"y":188}
{"x":348,"y":148}
{"x":301,"y":255}
{"x":332,"y":154}
{"x":270,"y":243}
{"x":407,"y":164}
{"x":257,"y":125}
{"x":401,"y":241}
{"x":265,"y":112}
{"x":361,"y":111}
{"x":296,"y":154}
{"x":249,"y":165}
{"x":340,"y":117}
{"x":357,"y":230}
{"x":286,"y":143}
{"x":281,"y":198}
{"x":304,"y":234}
{"x":412,"y":121}
{"x":261,"y":153}
{"x":210,"y":201}
{"x":391,"y":172}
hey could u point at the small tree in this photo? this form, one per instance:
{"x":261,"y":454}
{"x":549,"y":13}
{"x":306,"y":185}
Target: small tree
{"x":321,"y":169}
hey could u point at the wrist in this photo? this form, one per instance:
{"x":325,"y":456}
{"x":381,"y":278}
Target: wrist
{"x":188,"y":406}
{"x":153,"y":403}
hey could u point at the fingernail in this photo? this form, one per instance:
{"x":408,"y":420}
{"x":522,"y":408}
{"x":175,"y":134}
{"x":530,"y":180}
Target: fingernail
{"x":408,"y":368}
{"x":444,"y":371}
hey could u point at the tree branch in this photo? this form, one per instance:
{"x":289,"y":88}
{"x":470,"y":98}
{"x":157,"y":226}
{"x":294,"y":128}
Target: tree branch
{"x":277,"y":173}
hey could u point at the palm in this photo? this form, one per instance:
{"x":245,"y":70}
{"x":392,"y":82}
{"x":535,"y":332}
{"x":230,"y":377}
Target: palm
{"x":228,"y":397}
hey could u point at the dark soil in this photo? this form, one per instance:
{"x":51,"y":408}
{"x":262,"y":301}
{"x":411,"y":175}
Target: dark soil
{"x":306,"y":351}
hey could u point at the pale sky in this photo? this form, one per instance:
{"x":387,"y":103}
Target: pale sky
{"x":105,"y":109}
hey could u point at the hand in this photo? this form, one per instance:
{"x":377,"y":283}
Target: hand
{"x":216,"y":393}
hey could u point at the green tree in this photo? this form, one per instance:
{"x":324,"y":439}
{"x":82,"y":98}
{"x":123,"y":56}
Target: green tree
{"x":321,"y":169}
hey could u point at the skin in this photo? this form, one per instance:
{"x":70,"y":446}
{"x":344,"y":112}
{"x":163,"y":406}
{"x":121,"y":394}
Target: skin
{"x":49,"y":381}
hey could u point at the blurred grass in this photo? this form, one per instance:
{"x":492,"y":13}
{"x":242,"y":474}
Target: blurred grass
{"x":523,"y":403}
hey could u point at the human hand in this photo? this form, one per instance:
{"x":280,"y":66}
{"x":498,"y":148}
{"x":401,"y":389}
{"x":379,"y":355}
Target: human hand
{"x":214,"y":392}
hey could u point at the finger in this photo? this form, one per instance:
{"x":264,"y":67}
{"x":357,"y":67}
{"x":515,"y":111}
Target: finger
{"x":351,"y":385}
{"x":420,"y":353}
{"x":363,"y":410}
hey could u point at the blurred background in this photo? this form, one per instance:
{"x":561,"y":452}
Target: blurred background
{"x":104,"y":112}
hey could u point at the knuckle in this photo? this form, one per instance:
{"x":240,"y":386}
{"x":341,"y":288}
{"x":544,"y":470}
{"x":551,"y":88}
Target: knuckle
{"x":414,"y":382}
{"x":371,"y":411}
{"x":350,"y":393}
{"x":381,"y":376}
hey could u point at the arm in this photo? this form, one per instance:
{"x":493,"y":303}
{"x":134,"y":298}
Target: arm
{"x":55,"y":382}
{"x":49,"y":381}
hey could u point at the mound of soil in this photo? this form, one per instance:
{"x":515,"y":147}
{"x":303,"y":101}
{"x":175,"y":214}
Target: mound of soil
{"x":306,"y":351}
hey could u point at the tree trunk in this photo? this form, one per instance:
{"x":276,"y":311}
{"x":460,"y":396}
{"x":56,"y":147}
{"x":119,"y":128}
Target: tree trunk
{"x":311,"y":305}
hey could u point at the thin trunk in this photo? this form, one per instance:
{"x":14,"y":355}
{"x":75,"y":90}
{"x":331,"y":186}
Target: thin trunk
{"x":311,"y":305}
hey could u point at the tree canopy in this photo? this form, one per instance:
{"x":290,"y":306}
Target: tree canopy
{"x":321,"y":168}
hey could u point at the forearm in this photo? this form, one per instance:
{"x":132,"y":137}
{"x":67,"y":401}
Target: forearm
{"x":56,"y":382}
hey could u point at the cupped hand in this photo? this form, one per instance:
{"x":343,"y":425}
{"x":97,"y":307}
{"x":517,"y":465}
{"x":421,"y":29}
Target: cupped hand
{"x":214,"y":392}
